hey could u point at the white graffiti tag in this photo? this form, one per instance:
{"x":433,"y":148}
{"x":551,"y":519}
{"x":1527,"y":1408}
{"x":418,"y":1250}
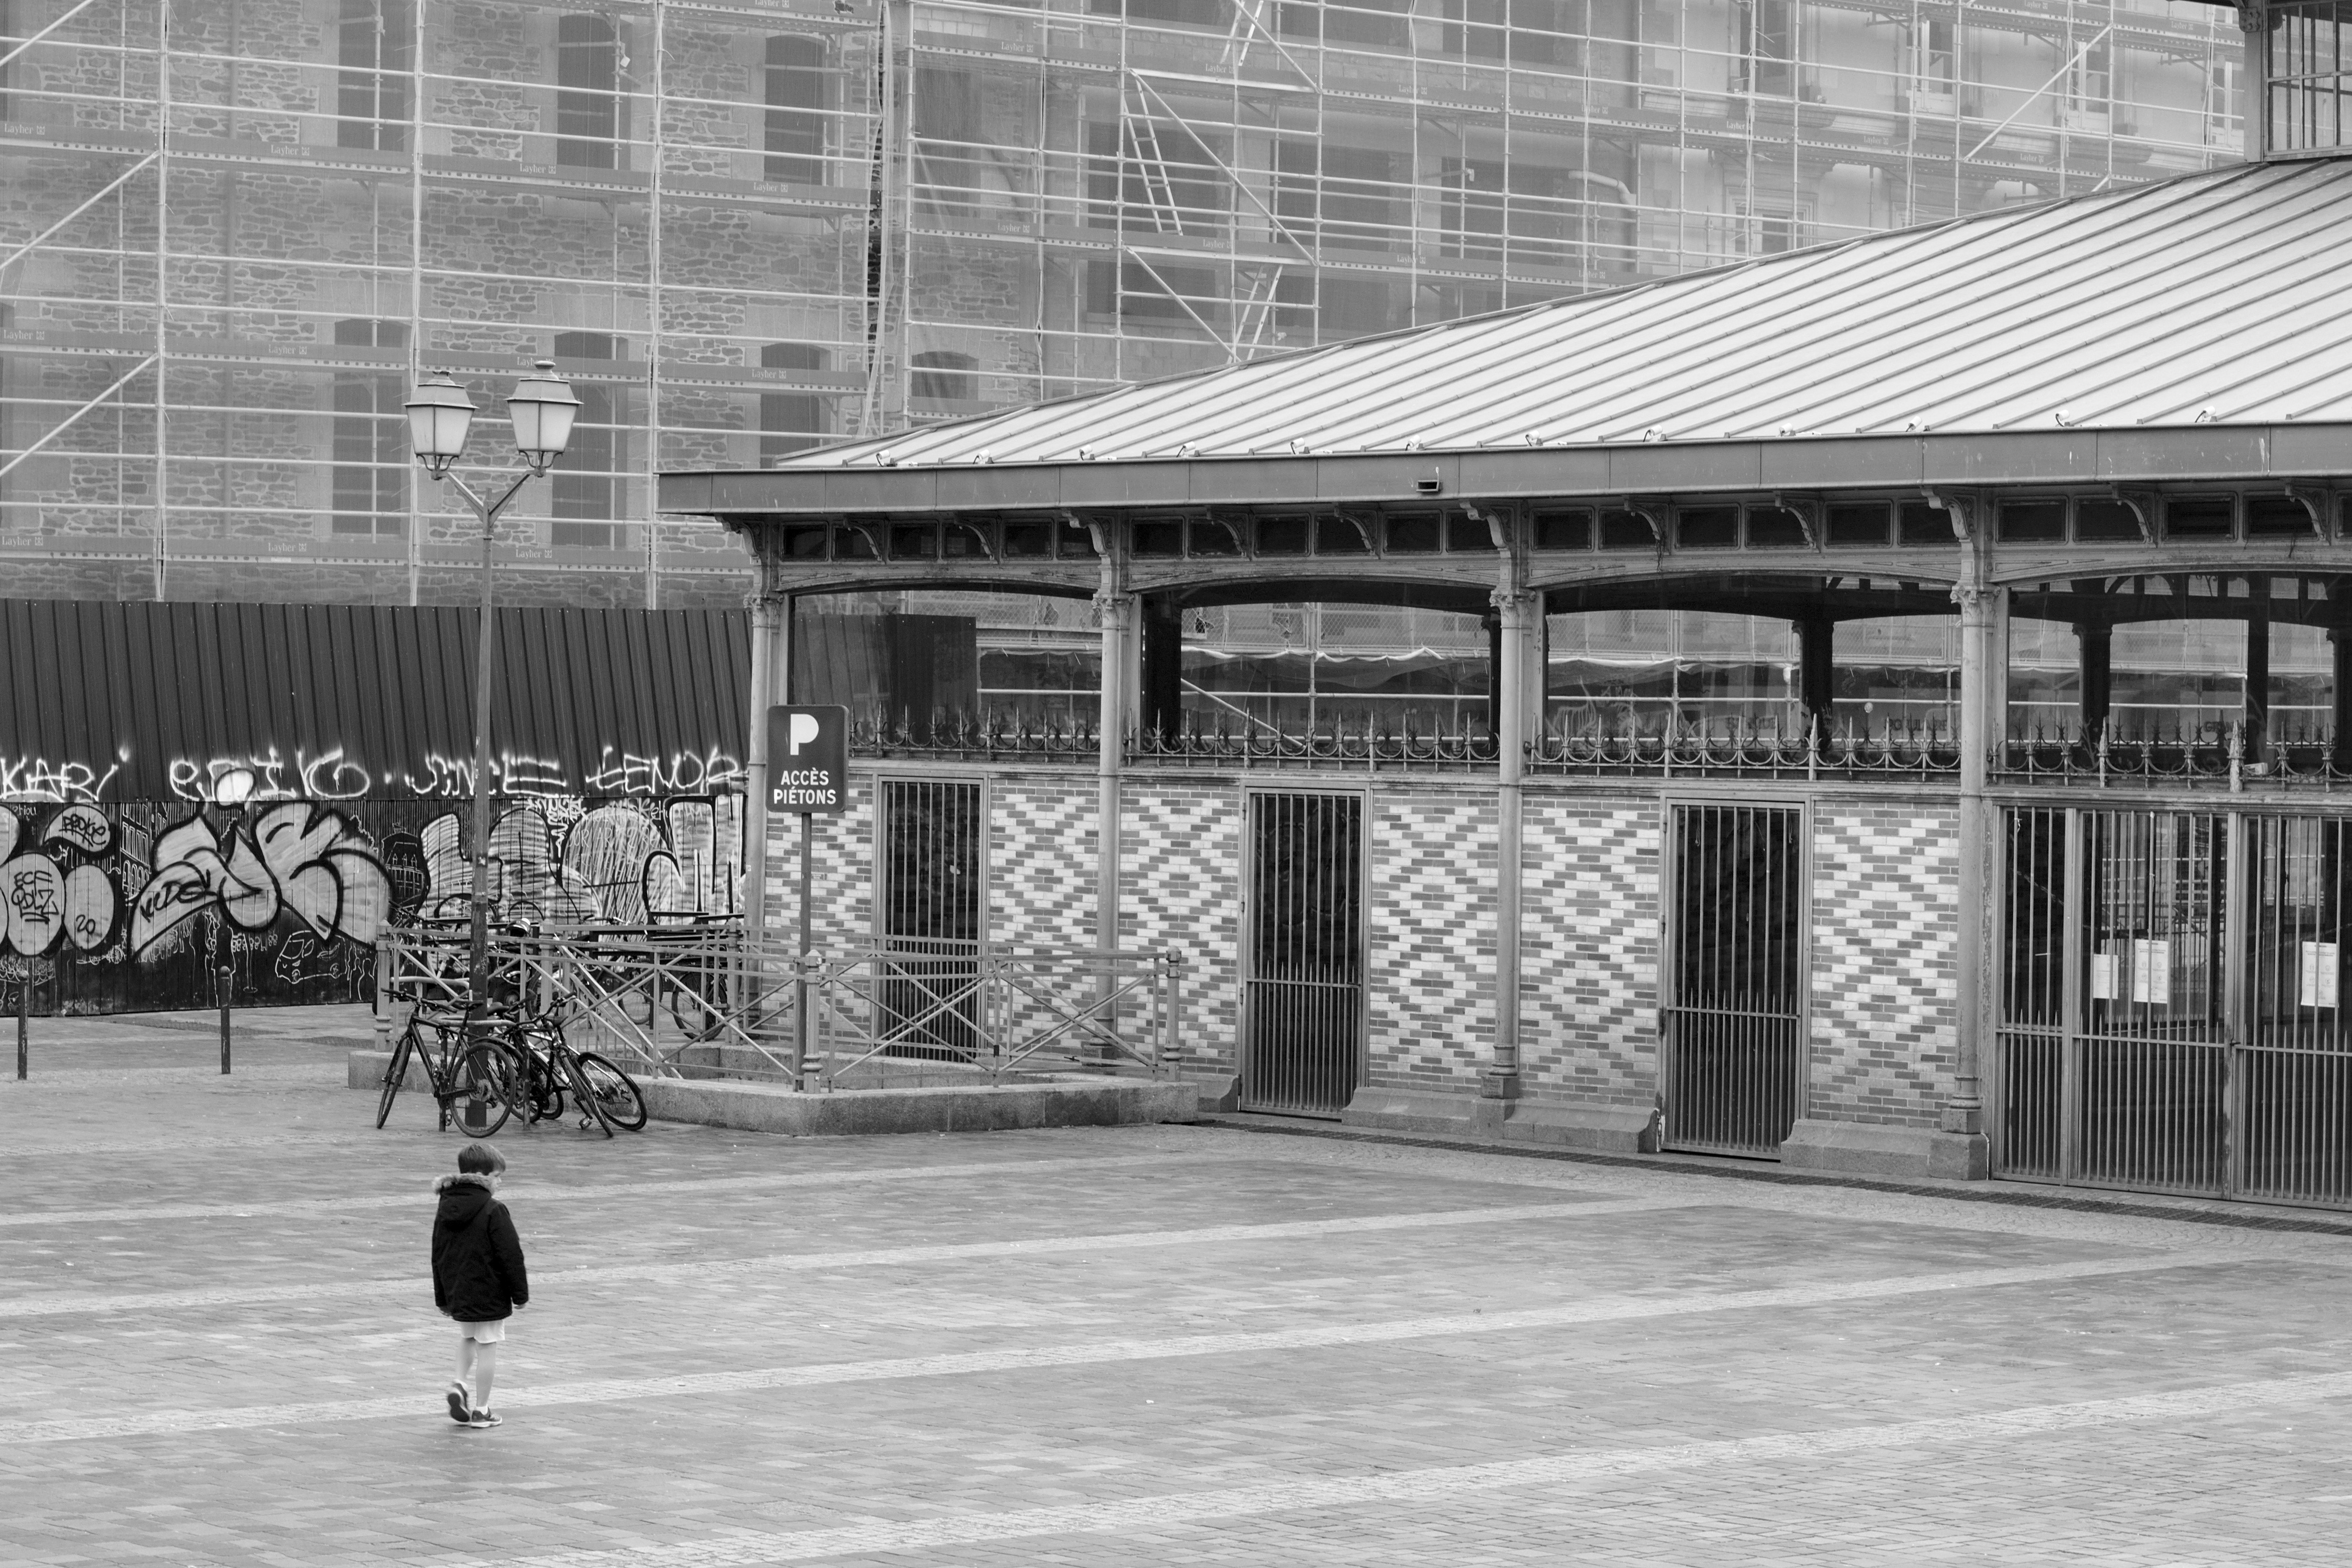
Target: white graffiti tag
{"x":40,"y":901}
{"x":307,"y":860}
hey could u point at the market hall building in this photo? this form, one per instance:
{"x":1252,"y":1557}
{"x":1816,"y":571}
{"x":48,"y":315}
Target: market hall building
{"x":2076,"y":924}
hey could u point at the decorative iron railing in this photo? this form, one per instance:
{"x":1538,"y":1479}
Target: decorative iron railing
{"x":1753,"y":751}
{"x":705,"y":1002}
{"x":1325,"y":746}
{"x":950,"y":736}
{"x":2207,"y":755}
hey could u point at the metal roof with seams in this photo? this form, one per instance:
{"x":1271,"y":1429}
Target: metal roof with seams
{"x":2189,"y":330}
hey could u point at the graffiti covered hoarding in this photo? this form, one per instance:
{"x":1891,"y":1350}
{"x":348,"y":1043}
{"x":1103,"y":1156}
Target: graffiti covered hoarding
{"x":133,"y":907}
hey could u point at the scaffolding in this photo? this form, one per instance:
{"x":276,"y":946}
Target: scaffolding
{"x":231,"y":235}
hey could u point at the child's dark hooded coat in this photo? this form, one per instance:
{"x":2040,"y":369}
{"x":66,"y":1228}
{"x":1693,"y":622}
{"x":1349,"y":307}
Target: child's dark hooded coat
{"x":478,"y":1274}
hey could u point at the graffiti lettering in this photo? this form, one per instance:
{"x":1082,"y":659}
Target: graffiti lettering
{"x":617,"y":865}
{"x":37,"y":779}
{"x":309,"y":860}
{"x":83,"y":827}
{"x":684,"y":773}
{"x":511,"y":773}
{"x":236,"y":781}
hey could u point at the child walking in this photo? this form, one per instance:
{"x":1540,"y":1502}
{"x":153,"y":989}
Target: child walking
{"x":478,"y":1277}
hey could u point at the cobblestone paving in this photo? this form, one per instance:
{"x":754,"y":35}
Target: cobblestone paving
{"x":1165,"y":1346}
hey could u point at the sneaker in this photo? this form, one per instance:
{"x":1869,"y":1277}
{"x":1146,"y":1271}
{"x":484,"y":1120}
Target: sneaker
{"x":460,"y":1403}
{"x":481,"y":1419}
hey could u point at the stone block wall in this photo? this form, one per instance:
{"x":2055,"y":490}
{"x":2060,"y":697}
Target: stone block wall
{"x":1885,"y":931}
{"x":1589,"y":948}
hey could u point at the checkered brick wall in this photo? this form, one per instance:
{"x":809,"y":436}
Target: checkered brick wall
{"x":841,"y":866}
{"x":1588,"y":948}
{"x":1180,"y":887}
{"x":1884,"y":933}
{"x":1432,"y":916}
{"x":1040,"y":859}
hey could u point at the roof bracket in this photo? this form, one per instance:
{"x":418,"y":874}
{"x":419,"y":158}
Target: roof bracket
{"x":1498,"y":521}
{"x":2319,"y":500}
{"x":1236,"y":528}
{"x":980,"y":532}
{"x":1808,"y":511}
{"x":1364,"y":530}
{"x":2143,"y":510}
{"x":868,"y":532}
{"x":1655,"y":510}
{"x":1965,"y":507}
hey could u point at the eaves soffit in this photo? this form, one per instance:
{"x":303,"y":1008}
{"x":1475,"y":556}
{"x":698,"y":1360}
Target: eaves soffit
{"x":2189,"y":454}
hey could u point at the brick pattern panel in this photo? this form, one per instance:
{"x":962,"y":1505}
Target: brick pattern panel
{"x":1885,"y":932}
{"x":1180,"y":886}
{"x":841,"y":881}
{"x":1041,"y":860}
{"x":1041,"y":887}
{"x":1589,"y":950}
{"x":1432,"y":915}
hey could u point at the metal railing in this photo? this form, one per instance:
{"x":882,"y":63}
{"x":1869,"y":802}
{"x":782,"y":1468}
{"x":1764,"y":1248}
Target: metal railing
{"x":2216,"y":754}
{"x":706,"y":1001}
{"x":1754,"y":749}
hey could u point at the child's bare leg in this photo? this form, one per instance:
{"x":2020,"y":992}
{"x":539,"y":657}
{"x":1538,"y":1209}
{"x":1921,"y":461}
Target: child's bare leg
{"x":486,"y":1367}
{"x":466,"y":1349}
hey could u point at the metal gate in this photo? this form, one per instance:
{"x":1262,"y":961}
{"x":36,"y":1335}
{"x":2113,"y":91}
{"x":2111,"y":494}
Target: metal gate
{"x":1734,"y":1013}
{"x":1305,"y":991}
{"x":2171,"y":1017}
{"x":930,"y":917}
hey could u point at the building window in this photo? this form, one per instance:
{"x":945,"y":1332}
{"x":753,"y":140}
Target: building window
{"x":789,"y":421}
{"x":587,"y":92}
{"x":371,"y":471}
{"x":586,"y":498}
{"x":1766,"y":55}
{"x":2309,"y":80}
{"x":371,"y":87}
{"x":946,"y":374}
{"x":797,"y":98}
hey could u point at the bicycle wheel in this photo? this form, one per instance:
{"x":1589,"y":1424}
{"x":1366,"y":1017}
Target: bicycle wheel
{"x":393,"y":1074}
{"x":584,"y":1095}
{"x":616,"y":1092}
{"x":482,"y":1091}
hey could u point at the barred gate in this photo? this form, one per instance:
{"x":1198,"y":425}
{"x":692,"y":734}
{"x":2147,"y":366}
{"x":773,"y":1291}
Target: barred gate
{"x":1733,"y":1016}
{"x":930,"y":917}
{"x":2169,"y":1003}
{"x":1304,"y":1042}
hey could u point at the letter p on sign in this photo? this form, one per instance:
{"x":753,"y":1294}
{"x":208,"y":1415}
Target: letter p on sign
{"x":808,"y":760}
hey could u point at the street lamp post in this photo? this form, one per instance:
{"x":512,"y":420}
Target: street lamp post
{"x":440,"y":414}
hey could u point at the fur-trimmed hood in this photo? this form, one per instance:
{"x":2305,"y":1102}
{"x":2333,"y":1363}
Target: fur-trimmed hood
{"x":462,"y":1179}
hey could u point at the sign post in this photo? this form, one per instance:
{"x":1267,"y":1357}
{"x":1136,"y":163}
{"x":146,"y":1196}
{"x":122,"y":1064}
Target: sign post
{"x":808,"y":772}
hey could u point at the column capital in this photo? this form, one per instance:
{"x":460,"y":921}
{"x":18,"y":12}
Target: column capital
{"x":1515,"y":604}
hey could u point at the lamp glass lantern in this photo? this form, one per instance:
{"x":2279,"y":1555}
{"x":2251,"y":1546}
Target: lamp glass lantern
{"x":439,"y":417}
{"x":542,"y":408}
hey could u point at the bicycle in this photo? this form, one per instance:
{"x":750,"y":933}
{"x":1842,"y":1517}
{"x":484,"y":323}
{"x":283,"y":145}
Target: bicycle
{"x":476,"y":1081}
{"x":600,"y":1091}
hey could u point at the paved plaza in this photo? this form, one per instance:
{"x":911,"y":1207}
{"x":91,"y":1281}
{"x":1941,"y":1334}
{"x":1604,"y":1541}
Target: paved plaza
{"x":1158,"y":1345}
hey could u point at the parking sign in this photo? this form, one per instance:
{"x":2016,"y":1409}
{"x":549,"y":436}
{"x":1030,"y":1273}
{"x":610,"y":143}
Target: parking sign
{"x":808,"y":760}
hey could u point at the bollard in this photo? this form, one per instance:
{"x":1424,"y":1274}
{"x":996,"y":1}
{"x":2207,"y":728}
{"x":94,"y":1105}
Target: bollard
{"x":226,"y":975}
{"x":25,"y":1021}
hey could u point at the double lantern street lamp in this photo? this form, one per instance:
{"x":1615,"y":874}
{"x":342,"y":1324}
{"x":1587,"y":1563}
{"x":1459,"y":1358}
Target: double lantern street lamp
{"x":440,"y":416}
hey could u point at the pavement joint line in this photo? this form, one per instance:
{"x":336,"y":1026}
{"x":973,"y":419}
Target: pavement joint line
{"x":1102,"y":1351}
{"x":1419,"y":1488}
{"x":539,"y":1193}
{"x":821,"y":1262}
{"x":2242,"y":1214}
{"x":268,"y":1072}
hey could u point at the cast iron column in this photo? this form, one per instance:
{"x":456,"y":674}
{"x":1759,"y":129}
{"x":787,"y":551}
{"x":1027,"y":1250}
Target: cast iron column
{"x":1964,"y":1110}
{"x":1516,"y":611}
{"x":1817,"y":671}
{"x":771,"y":635}
{"x":2339,"y":697}
{"x":1118,"y":608}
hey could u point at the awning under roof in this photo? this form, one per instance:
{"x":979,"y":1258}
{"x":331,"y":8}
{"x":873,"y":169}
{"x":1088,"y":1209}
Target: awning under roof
{"x":2216,"y":299}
